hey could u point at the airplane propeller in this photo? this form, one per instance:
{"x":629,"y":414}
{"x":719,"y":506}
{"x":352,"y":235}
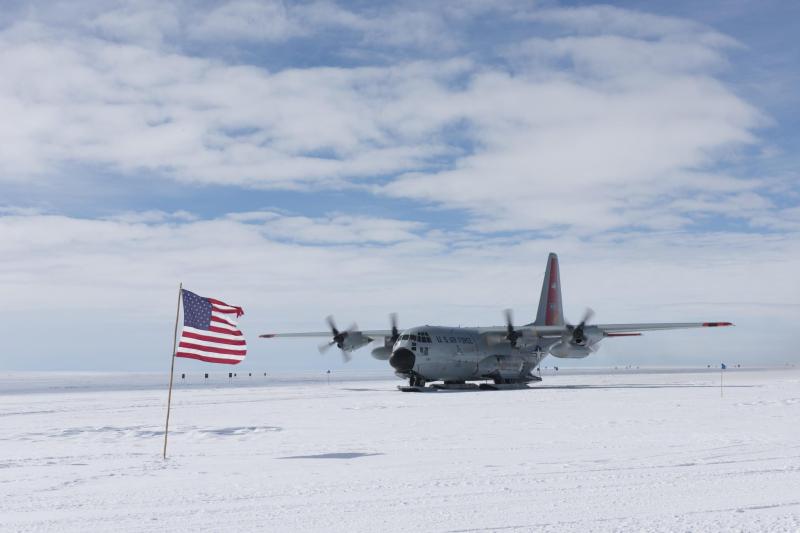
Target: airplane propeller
{"x":338,"y":338}
{"x":512,"y":334}
{"x":576,"y":332}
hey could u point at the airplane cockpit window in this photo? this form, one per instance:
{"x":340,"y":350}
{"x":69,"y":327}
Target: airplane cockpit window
{"x":404,"y":337}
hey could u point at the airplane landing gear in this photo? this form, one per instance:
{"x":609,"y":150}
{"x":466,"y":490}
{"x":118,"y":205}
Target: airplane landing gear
{"x":416,"y":381}
{"x":415,"y":384}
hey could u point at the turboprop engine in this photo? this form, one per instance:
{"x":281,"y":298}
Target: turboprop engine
{"x":383,"y":353}
{"x":354,"y":340}
{"x":347,"y":340}
{"x":577,"y":340}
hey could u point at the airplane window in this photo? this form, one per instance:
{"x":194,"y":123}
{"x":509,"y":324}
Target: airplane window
{"x":404,"y":337}
{"x":413,"y":337}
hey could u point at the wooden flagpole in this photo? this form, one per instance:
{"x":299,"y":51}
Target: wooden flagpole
{"x":172,"y":367}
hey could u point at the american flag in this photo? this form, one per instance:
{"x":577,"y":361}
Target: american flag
{"x":210,"y":332}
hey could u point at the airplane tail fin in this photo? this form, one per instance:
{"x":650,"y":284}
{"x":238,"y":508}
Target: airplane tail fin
{"x":550,"y":311}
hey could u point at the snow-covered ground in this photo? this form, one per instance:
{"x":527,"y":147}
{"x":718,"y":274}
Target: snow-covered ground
{"x":580,"y":452}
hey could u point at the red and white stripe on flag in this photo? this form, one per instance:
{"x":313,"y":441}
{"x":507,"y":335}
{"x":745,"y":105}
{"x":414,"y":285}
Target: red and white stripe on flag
{"x":210,"y":332}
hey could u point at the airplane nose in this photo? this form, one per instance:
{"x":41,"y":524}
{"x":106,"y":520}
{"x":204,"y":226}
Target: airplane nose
{"x":402,"y":360}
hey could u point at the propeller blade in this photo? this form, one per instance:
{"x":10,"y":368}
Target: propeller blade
{"x":338,"y":338}
{"x":587,"y":316}
{"x":332,"y":325}
{"x":395,"y":331}
{"x":346,"y":357}
{"x":575,"y":333}
{"x":512,"y":334}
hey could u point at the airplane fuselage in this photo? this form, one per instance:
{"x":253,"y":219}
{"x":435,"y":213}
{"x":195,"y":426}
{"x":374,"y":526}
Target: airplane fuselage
{"x":436,"y":353}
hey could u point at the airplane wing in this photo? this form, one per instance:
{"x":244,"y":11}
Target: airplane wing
{"x":299,"y":335}
{"x":608,"y":330}
{"x":621,"y":330}
{"x":368,"y":333}
{"x":536,"y":331}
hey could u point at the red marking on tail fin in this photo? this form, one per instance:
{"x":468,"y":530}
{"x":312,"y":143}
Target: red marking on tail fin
{"x":716,"y":324}
{"x":267,"y":335}
{"x":551,"y":318}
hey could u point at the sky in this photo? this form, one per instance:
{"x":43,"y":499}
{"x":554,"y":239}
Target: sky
{"x":301,"y":159}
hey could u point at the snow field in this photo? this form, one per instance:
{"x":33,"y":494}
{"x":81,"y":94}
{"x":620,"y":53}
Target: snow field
{"x":616,"y":452}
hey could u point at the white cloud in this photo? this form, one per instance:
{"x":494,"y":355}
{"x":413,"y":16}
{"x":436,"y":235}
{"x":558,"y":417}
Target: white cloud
{"x":152,"y":216}
{"x":220,"y":23}
{"x":787,"y":219}
{"x":579,"y":126}
{"x":144,"y":22}
{"x":332,"y":229}
{"x":594,"y":19}
{"x":414,"y":28}
{"x":193,"y":119}
{"x":341,"y":228}
{"x":618,"y":58}
{"x":573,"y":146}
{"x":247,"y":20}
{"x":17,"y":210}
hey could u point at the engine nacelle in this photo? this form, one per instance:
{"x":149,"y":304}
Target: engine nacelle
{"x":382,"y":353}
{"x":354,"y":340}
{"x":568,"y":350}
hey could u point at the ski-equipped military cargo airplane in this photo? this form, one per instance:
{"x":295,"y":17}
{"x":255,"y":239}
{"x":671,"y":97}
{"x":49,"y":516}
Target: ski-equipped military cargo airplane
{"x":506,"y":355}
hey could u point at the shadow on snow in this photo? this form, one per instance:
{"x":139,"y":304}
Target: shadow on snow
{"x":337,"y":455}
